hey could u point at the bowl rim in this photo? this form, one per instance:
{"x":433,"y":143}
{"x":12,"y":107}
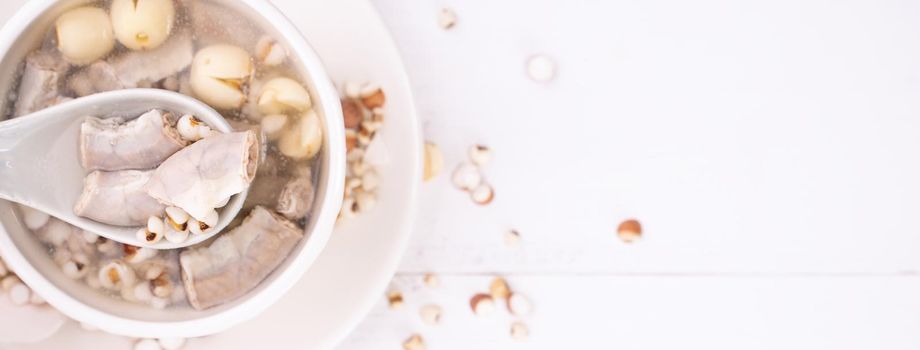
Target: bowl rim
{"x":297,"y":264}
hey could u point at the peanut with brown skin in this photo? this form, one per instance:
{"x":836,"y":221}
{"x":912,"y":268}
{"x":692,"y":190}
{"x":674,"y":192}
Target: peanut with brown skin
{"x":351,"y":139}
{"x":630,"y":230}
{"x":352,"y":114}
{"x":499,"y":288}
{"x":374,"y":100}
{"x":414,"y":342}
{"x":482,"y":304}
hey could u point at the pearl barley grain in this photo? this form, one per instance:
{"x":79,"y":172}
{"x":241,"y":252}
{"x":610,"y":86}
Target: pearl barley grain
{"x":90,"y":237}
{"x":159,"y":303}
{"x":431,"y":314}
{"x":175,"y":236}
{"x":139,"y":255}
{"x":34,"y":219}
{"x":187,"y":126}
{"x":171,"y":83}
{"x":519,"y":305}
{"x":36,"y":299}
{"x":146,"y":236}
{"x":195,"y":227}
{"x":155,"y":225}
{"x":370,"y":181}
{"x":395,"y":300}
{"x":349,"y":209}
{"x":415,"y":342}
{"x":541,"y":68}
{"x":366,"y":201}
{"x":171,"y":343}
{"x":147,"y":344}
{"x":353,"y":89}
{"x":73,"y":270}
{"x":482,"y":194}
{"x":512,"y":237}
{"x":210,"y":220}
{"x":447,"y":19}
{"x":153,"y":272}
{"x":107,"y":247}
{"x":142,"y":292}
{"x":466,"y":177}
{"x":114,"y":275}
{"x":431,"y":280}
{"x":519,"y":331}
{"x":8,"y":282}
{"x":177,"y":217}
{"x":19,"y":294}
{"x":480,"y":155}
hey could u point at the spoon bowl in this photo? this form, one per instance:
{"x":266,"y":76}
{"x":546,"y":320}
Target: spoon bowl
{"x":40,"y":158}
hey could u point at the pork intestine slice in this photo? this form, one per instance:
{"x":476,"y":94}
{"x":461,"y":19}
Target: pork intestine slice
{"x":200,"y":176}
{"x":296,"y":198}
{"x":214,"y":23}
{"x":140,"y":144}
{"x":38,"y":86}
{"x":118,"y":198}
{"x":133,"y":68}
{"x":238,"y":260}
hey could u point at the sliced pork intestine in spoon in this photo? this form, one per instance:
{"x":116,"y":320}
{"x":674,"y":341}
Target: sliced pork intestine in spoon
{"x":118,"y":198}
{"x":202,"y":175}
{"x":238,"y":260}
{"x":143,"y":143}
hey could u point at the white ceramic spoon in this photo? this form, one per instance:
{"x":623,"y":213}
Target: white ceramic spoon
{"x":40,"y":161}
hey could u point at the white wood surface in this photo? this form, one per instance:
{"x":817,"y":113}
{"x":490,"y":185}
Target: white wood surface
{"x":769,"y":149}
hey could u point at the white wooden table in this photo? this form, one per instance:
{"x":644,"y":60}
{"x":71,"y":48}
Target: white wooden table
{"x":769,"y":149}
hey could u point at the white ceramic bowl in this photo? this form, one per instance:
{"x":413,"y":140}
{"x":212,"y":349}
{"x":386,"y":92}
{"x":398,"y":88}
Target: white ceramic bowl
{"x":31,"y":261}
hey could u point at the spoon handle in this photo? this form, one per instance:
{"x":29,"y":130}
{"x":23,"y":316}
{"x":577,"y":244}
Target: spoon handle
{"x":28,"y":161}
{"x":13,"y":134}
